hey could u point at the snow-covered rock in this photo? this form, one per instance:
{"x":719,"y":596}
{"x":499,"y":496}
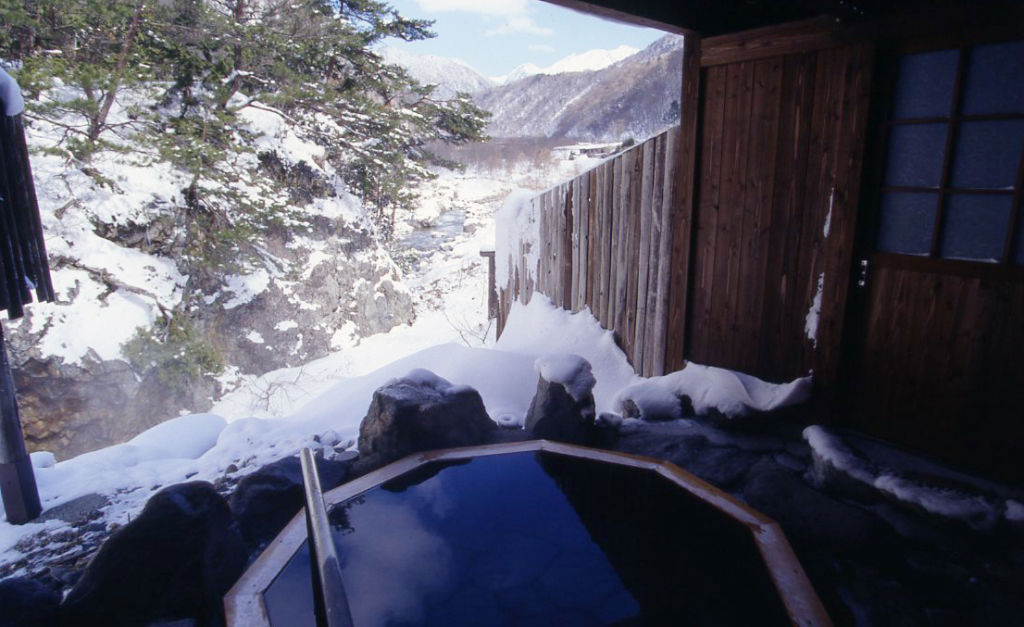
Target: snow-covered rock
{"x":563,"y":405}
{"x":420,"y":412}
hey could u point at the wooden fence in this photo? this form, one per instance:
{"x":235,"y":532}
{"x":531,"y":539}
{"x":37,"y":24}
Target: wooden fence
{"x":603,"y":240}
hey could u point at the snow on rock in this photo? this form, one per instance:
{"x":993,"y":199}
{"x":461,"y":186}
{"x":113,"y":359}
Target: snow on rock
{"x":833,"y":450}
{"x":1014,"y":511}
{"x":540,"y":328}
{"x":649,"y":402}
{"x":570,"y":371}
{"x":733,"y":394}
{"x":837,"y":465}
{"x":246,"y":287}
{"x":975,"y":510}
{"x":43,"y":459}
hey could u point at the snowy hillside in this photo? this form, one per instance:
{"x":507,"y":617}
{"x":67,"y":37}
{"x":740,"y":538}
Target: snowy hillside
{"x":155,"y":294}
{"x":450,"y":75}
{"x":637,"y":97}
{"x":588,"y":61}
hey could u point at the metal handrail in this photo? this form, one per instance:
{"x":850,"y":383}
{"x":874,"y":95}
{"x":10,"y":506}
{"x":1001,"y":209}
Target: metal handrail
{"x":329,"y":600}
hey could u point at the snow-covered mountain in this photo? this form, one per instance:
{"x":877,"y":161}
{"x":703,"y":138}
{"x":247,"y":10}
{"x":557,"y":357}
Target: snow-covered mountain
{"x":588,"y":61}
{"x":450,"y":75}
{"x":636,"y":96}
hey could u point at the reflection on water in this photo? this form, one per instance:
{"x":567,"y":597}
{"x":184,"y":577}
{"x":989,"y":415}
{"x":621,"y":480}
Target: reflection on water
{"x":536,"y":539}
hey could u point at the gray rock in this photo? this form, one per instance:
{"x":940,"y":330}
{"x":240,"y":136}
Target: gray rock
{"x":176,"y":560}
{"x":266,"y":500}
{"x":421,"y":412}
{"x":813,"y":520}
{"x":27,"y":603}
{"x":555,"y":415}
{"x":77,"y":512}
{"x":723,"y":467}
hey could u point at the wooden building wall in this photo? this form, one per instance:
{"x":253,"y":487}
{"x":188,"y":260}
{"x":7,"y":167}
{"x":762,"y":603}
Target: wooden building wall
{"x":780,"y":151}
{"x":760,"y":199}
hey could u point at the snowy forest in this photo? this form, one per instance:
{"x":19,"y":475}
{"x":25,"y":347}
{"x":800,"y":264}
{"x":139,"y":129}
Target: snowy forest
{"x":191,"y":156}
{"x":189,"y":67}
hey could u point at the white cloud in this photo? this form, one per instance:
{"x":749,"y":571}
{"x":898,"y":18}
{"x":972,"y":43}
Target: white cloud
{"x":520,"y":24}
{"x":540,"y":48}
{"x":482,"y":7}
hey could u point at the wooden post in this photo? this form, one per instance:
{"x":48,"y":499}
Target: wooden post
{"x":17,"y":481}
{"x":492,"y":291}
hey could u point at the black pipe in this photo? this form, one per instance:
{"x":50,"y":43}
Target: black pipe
{"x":17,"y":479}
{"x":330,"y":602}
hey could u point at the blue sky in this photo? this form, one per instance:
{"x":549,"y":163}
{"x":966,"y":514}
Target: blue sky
{"x":495,"y":36}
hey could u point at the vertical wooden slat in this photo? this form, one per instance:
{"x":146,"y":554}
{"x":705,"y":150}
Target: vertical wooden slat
{"x":707,"y":214}
{"x":643,"y":257}
{"x":757,"y":207}
{"x":568,"y":233}
{"x":652,"y":346}
{"x":583,"y":202}
{"x":630,"y":245}
{"x":737,"y":223}
{"x":608,"y":215}
{"x":574,"y":212}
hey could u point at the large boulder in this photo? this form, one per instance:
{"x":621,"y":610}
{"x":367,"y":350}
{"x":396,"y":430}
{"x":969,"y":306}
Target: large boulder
{"x":27,"y":603}
{"x":563,"y":406}
{"x":266,"y":500}
{"x":176,"y":560}
{"x":421,"y":412}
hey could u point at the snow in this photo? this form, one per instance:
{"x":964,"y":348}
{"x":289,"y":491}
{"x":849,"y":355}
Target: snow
{"x":828,"y":216}
{"x":588,"y":61}
{"x":541,"y":329}
{"x":730,"y":393}
{"x":814,"y":312}
{"x":972,"y":509}
{"x":43,"y":459}
{"x":832,"y":449}
{"x":517,"y":231}
{"x":1014,"y":511}
{"x":246,"y":287}
{"x":966,"y":505}
{"x":187,"y":437}
{"x":451,"y":75}
{"x":10,"y":93}
{"x":570,"y":371}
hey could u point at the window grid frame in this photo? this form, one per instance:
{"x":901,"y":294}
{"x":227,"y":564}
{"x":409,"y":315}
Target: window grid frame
{"x":944,"y":190}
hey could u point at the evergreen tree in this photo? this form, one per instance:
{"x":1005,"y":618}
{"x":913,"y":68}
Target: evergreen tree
{"x":310,"y":61}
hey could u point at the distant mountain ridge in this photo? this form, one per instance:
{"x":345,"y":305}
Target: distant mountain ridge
{"x":637,"y":96}
{"x":598,"y":95}
{"x":588,"y":61}
{"x":450,"y":75}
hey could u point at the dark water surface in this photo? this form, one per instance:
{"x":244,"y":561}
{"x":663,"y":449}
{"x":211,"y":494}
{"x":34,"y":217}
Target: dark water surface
{"x":536,"y":539}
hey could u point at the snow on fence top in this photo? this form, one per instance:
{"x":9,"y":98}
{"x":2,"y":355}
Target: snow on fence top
{"x":517,"y":237}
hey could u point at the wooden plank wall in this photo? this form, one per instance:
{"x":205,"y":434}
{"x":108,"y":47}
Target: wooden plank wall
{"x":778,"y":179}
{"x":604,"y":242}
{"x":939,"y":369}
